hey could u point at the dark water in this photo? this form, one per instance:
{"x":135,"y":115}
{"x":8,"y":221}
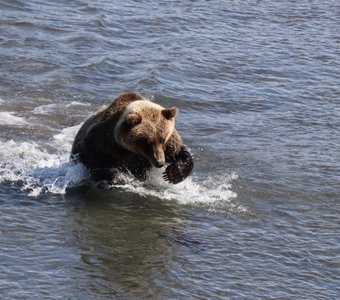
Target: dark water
{"x":257,"y":85}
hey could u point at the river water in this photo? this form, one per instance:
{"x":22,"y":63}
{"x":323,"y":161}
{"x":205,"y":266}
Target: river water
{"x":257,"y":85}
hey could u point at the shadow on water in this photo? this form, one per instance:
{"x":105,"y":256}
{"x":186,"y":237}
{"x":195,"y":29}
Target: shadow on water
{"x":124,"y":240}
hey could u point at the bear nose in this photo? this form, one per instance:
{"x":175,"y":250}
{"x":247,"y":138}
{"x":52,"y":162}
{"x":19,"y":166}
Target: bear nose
{"x":159,"y":163}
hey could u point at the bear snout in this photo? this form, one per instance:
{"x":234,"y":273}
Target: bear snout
{"x":159,"y":164}
{"x":158,"y":156}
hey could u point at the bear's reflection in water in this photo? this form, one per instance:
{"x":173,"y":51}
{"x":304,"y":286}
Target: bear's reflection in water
{"x":122,"y":240}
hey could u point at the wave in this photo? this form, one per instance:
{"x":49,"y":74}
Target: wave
{"x":41,"y":169}
{"x":52,"y":107}
{"x":216,"y":189}
{"x":8,"y":118}
{"x":38,"y":170}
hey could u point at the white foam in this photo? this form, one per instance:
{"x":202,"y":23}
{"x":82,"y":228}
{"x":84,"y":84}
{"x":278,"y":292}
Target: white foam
{"x":47,"y":108}
{"x":43,"y":109}
{"x":76,"y":103}
{"x":56,"y":179}
{"x":65,"y":138}
{"x":8,"y":118}
{"x":213,"y":191}
{"x":38,"y":171}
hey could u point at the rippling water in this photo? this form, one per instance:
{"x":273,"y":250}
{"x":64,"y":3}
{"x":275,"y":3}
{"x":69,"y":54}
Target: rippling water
{"x":257,"y":85}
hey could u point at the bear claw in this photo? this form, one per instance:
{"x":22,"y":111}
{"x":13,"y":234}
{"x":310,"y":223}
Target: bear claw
{"x":177,"y":172}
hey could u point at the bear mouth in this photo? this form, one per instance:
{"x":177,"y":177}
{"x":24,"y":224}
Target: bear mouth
{"x":158,"y":164}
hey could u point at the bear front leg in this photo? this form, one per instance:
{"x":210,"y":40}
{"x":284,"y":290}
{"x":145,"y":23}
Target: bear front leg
{"x":180,"y":168}
{"x":108,"y":175}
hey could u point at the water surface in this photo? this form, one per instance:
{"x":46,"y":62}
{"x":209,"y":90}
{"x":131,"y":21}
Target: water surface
{"x":257,"y":85}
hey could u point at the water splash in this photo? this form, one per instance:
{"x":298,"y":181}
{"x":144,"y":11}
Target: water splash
{"x":39,"y":170}
{"x":8,"y":118}
{"x":212,"y":191}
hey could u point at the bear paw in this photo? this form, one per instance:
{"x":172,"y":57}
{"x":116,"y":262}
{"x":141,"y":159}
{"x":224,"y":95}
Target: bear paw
{"x":178,"y":171}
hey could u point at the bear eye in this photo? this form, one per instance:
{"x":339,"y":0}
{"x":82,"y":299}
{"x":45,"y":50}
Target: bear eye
{"x":144,"y":141}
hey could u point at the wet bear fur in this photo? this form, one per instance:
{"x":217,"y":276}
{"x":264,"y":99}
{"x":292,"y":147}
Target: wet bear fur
{"x":130,"y":136}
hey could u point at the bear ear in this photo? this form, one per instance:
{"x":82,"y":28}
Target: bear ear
{"x":169,"y":113}
{"x":133,"y":119}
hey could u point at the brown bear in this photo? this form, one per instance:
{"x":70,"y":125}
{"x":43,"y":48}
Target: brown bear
{"x":130,"y":136}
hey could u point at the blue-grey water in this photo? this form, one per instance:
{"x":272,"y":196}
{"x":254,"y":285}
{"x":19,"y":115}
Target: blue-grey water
{"x":258,"y":88}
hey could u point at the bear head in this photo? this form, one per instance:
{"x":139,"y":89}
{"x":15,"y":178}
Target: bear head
{"x":144,"y":128}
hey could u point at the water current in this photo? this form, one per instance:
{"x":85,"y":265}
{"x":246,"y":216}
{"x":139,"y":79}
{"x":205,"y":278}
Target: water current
{"x":257,"y":84}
